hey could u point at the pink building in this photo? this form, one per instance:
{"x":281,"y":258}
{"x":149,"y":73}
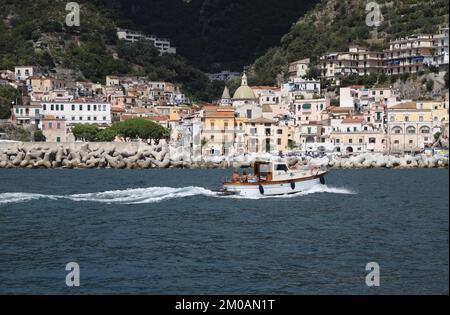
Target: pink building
{"x":54,"y":129}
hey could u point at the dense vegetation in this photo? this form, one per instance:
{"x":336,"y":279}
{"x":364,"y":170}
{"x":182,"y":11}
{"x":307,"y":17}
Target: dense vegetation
{"x":335,"y":24}
{"x":130,"y":129}
{"x":8,"y":96}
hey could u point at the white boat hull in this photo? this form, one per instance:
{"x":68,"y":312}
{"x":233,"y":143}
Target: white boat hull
{"x":272,"y":189}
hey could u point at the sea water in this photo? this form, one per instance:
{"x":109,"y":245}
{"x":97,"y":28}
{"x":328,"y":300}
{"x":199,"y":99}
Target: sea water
{"x":169,"y":232}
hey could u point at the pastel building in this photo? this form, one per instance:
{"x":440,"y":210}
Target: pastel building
{"x":218,"y":130}
{"x":265,"y":135}
{"x":308,"y":110}
{"x":409,"y":127}
{"x":409,"y":55}
{"x":54,"y":129}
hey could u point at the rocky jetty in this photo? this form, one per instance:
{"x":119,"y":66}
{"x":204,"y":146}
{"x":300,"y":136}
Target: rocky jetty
{"x":140,"y":155}
{"x":86,"y":155}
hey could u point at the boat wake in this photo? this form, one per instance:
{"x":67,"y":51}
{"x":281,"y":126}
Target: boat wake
{"x":152,"y":195}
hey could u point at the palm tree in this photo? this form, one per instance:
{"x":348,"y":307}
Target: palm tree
{"x":203,"y":143}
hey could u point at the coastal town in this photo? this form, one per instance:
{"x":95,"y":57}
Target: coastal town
{"x":298,"y":115}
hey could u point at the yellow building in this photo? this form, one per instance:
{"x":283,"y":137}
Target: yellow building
{"x":409,"y":127}
{"x":218,"y":134}
{"x":41,"y":85}
{"x":439,"y":113}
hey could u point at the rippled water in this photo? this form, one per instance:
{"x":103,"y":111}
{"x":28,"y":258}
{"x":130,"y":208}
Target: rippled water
{"x":167,"y":231}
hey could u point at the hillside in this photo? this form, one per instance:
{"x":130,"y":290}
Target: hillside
{"x":214,"y":34}
{"x":334,"y":24}
{"x":33,"y":32}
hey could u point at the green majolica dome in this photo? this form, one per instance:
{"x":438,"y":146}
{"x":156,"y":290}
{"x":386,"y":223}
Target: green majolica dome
{"x":244,"y":92}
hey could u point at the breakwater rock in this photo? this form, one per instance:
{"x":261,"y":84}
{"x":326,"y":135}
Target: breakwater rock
{"x":138,"y":155}
{"x":84,"y":155}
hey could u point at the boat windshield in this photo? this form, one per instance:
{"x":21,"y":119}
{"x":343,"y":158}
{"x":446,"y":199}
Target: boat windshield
{"x":281,"y":167}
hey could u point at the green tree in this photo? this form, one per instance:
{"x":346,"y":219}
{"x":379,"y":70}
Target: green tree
{"x":138,"y":128}
{"x":106,"y":135}
{"x":430,"y":85}
{"x":39,"y":136}
{"x":8,"y":95}
{"x":85,"y":132}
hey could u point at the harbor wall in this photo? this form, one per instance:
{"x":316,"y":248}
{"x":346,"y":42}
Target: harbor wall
{"x":139,"y":155}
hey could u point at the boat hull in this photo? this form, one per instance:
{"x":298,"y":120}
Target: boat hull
{"x":273,"y":188}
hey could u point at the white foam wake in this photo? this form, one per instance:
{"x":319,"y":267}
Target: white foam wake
{"x":153,"y":195}
{"x":23,"y":197}
{"x":142,"y":195}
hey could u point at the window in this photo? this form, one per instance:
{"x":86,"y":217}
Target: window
{"x":212,"y":125}
{"x":425,"y":130}
{"x":280,"y":131}
{"x":372,"y":140}
{"x":360,"y":140}
{"x":57,"y":107}
{"x":306,"y":106}
{"x":95,"y":107}
{"x":58,"y":139}
{"x":212,"y":138}
{"x":89,"y":107}
{"x":411,"y":130}
{"x":279,"y":141}
{"x":406,"y":118}
{"x":350,"y":140}
{"x":52,"y":107}
{"x":58,"y":125}
{"x":73,"y":107}
{"x":80,"y":107}
{"x":50,"y":125}
{"x":104,"y":117}
{"x":397,"y":130}
{"x":249,"y":113}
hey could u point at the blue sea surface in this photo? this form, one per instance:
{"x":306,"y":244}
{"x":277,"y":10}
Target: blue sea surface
{"x":167,"y":232}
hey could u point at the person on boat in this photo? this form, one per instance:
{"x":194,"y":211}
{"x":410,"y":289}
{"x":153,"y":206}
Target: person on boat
{"x":244,"y":177}
{"x":235,"y":177}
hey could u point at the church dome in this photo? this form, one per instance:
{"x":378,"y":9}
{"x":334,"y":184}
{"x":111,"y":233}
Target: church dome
{"x":244,"y":92}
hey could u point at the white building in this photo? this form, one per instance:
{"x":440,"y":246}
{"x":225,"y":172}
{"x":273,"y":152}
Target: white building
{"x":299,"y":69}
{"x":441,"y":49}
{"x":162,"y":44}
{"x":77,"y":112}
{"x":223,"y":76}
{"x":24,"y":72}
